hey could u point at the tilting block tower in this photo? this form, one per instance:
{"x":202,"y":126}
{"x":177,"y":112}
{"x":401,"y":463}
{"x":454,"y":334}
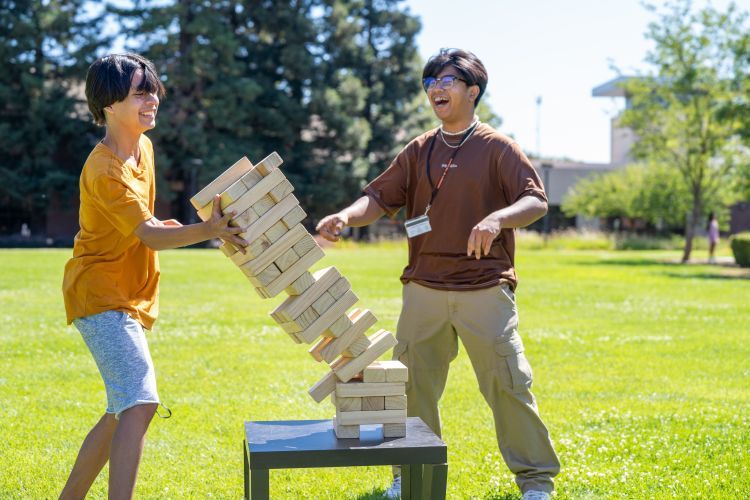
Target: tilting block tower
{"x":320,"y":306}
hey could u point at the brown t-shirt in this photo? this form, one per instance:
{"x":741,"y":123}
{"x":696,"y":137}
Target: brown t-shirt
{"x":489,"y":172}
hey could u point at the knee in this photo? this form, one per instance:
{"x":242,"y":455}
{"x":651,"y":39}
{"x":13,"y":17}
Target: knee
{"x":143,"y":413}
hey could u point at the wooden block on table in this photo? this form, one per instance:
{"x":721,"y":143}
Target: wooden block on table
{"x":286,"y":259}
{"x":375,"y":372}
{"x":282,"y":189}
{"x":339,"y":326}
{"x":305,"y":245}
{"x":373,"y":403}
{"x":361,"y":320}
{"x":323,"y":303}
{"x":255,"y":264}
{"x":394,"y":430}
{"x":263,"y":205}
{"x":345,"y":431}
{"x":395,"y":402}
{"x":270,"y":218}
{"x":263,"y":278}
{"x":323,"y":387}
{"x":223,"y":181}
{"x":296,"y":270}
{"x":381,"y":342}
{"x":367,"y":389}
{"x":360,"y":345}
{"x":298,"y":286}
{"x":371,"y":417}
{"x":269,"y":163}
{"x":295,"y":216}
{"x":327,"y":318}
{"x":294,"y":305}
{"x":346,"y":404}
{"x":395,"y":371}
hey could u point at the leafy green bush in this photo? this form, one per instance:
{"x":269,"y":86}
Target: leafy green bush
{"x":741,"y":248}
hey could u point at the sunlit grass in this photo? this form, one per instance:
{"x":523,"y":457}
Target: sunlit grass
{"x":641,"y":373}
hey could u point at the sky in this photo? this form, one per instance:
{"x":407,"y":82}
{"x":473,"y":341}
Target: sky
{"x":559,"y":50}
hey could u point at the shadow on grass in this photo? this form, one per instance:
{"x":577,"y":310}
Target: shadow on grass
{"x":722,"y":271}
{"x":712,"y":276}
{"x":494,"y":494}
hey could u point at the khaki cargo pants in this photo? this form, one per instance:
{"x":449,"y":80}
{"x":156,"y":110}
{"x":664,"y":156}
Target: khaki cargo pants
{"x":486,"y":321}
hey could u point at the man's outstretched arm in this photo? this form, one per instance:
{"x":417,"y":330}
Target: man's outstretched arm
{"x":362,"y":212}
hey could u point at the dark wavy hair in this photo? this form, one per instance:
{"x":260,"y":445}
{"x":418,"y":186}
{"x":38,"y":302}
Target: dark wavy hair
{"x":467,"y":64}
{"x":108,"y":81}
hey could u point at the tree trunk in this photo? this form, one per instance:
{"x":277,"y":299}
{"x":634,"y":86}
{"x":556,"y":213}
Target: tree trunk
{"x":690,"y":226}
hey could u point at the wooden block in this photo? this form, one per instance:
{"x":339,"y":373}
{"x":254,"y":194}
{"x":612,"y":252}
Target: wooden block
{"x":375,"y":372}
{"x":340,"y":288}
{"x":228,"y":249}
{"x":371,"y":417}
{"x":298,"y":286}
{"x":286,"y":259}
{"x":315,"y":350}
{"x":338,"y":327}
{"x":395,"y":371}
{"x":381,"y":342}
{"x":263,"y":205}
{"x":244,"y":219}
{"x":294,"y":305}
{"x":282,"y":189}
{"x":295,"y":216}
{"x":270,"y":218}
{"x":251,"y":178}
{"x":345,"y":431}
{"x":238,"y":197}
{"x":206,"y":195}
{"x":265,"y":277}
{"x":346,"y":404}
{"x":395,"y":402}
{"x":262,"y":292}
{"x":252,"y":251}
{"x":373,"y":403}
{"x":323,"y":303}
{"x":273,"y":251}
{"x":305,"y":319}
{"x":327,"y":318}
{"x":394,"y":430}
{"x":276,"y":231}
{"x":305,"y":245}
{"x":366,"y":389}
{"x":295,"y":271}
{"x":323,"y":387}
{"x":361,"y":320}
{"x":269,"y":163}
{"x":360,"y":345}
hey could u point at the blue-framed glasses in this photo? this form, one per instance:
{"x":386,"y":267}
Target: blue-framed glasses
{"x":444,"y":83}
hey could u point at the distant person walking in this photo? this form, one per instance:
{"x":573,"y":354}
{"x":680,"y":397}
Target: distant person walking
{"x":713,"y":237}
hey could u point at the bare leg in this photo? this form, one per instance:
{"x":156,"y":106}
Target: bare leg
{"x":127,"y":446}
{"x":711,"y":250}
{"x":92,"y":456}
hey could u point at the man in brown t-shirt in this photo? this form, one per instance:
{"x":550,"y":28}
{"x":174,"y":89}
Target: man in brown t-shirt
{"x":466,"y":187}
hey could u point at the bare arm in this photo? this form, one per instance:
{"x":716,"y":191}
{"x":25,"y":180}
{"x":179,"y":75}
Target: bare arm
{"x":362,"y":212}
{"x":163,"y":235}
{"x":520,"y":214}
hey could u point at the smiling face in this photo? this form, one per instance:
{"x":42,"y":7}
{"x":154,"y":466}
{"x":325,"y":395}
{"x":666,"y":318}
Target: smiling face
{"x":137,"y":112}
{"x":456,"y":104}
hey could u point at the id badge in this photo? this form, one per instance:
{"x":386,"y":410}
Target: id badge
{"x":417,"y":225}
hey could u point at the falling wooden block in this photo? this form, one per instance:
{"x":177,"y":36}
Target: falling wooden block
{"x":269,"y":163}
{"x":298,"y":286}
{"x":228,"y":249}
{"x":373,"y":403}
{"x":323,"y":387}
{"x":238,"y":197}
{"x":305,"y":245}
{"x":360,"y":345}
{"x":265,"y":277}
{"x":395,"y":371}
{"x":346,"y":404}
{"x":339,"y":326}
{"x":371,"y":417}
{"x":375,"y":372}
{"x":340,"y":288}
{"x":395,"y":402}
{"x":286,"y":260}
{"x":327,"y":318}
{"x":294,"y":305}
{"x":282,"y":189}
{"x":317,"y":348}
{"x":323,"y":303}
{"x":295,"y":216}
{"x":295,"y":271}
{"x":394,"y":430}
{"x":361,"y":320}
{"x":244,"y":219}
{"x":270,"y":218}
{"x":301,"y":322}
{"x":276,"y":231}
{"x":263,"y":205}
{"x":255,"y":264}
{"x":367,"y":389}
{"x":251,"y":178}
{"x":345,"y":431}
{"x":223,"y":181}
{"x":381,"y":342}
{"x":252,"y":251}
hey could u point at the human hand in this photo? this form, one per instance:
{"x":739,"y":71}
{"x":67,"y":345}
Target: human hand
{"x":482,"y":235}
{"x":330,"y":226}
{"x":219,"y":226}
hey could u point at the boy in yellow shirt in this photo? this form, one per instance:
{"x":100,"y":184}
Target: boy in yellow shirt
{"x":111,"y":284}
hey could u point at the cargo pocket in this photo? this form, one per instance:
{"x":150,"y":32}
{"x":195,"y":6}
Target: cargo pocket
{"x":513,"y":366}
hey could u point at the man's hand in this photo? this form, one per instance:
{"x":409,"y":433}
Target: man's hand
{"x":482,"y":235}
{"x":330,"y":226}
{"x":219,"y":226}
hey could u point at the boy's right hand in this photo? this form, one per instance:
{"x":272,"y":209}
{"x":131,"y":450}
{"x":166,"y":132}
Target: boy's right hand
{"x":219,"y":226}
{"x":330,"y":226}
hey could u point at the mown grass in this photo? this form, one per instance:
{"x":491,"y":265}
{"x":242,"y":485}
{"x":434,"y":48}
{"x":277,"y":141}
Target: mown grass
{"x":641,"y":373}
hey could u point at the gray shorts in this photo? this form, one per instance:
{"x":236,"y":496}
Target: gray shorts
{"x":118,"y":344}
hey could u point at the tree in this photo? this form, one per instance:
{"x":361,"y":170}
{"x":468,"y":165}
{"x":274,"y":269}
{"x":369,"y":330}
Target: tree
{"x":45,"y":134}
{"x":677,"y":111}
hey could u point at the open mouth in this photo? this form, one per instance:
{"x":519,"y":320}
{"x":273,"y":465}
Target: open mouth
{"x":149,"y":114}
{"x":440,"y":101}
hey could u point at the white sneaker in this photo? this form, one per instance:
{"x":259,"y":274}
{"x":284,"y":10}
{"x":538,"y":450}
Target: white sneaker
{"x":395,"y":490}
{"x":536,"y":495}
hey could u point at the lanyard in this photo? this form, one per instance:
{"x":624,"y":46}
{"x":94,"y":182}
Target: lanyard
{"x":435,"y":188}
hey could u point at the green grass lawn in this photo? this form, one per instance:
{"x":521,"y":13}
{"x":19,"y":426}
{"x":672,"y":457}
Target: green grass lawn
{"x":642,"y":373}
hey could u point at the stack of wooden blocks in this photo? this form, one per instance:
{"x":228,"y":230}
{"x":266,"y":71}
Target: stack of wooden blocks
{"x":278,"y":258}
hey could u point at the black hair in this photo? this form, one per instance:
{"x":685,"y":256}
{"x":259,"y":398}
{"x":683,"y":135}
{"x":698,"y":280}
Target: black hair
{"x":467,"y":64}
{"x":108,"y":81}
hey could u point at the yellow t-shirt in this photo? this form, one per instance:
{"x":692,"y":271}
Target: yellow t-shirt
{"x":111,"y":268}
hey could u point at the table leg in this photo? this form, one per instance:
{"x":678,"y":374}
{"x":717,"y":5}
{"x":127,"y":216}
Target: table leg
{"x":435,"y":478}
{"x":259,"y":484}
{"x":246,"y":470}
{"x":411,"y":481}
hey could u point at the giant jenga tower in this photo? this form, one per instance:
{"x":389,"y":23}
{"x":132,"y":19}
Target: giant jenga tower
{"x":278,"y":258}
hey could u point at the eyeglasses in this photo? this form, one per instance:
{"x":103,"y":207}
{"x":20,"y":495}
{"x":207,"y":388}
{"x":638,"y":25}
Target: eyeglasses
{"x":444,"y":83}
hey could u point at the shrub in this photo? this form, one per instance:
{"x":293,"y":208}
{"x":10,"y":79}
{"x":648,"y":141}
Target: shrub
{"x":741,"y":248}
